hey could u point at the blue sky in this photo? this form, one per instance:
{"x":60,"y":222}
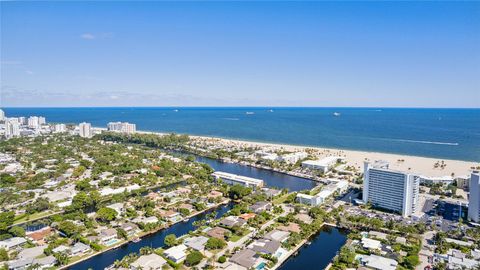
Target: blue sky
{"x":387,"y":54}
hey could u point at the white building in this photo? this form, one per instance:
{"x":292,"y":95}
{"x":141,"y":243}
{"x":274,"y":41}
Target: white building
{"x":430,"y":180}
{"x":391,"y":190}
{"x":308,"y":199}
{"x":33,"y":122}
{"x":59,"y":128}
{"x":85,"y":130}
{"x":124,"y":127}
{"x":41,"y":120}
{"x":176,"y":253}
{"x":324,"y":165}
{"x":233,"y":179}
{"x":2,"y":115}
{"x":292,"y":157}
{"x":12,"y":128}
{"x":474,"y":198}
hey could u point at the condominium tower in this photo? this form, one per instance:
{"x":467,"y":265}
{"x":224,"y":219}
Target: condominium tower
{"x":85,"y":130}
{"x":388,"y":189}
{"x":474,"y":198}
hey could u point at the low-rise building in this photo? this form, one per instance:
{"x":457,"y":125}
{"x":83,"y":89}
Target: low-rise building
{"x":323,"y":165}
{"x":176,"y":253}
{"x":259,"y":207}
{"x":233,"y":179}
{"x":148,"y":262}
{"x":377,"y":262}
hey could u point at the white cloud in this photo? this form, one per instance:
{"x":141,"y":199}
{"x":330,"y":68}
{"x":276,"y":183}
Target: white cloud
{"x":87,"y":36}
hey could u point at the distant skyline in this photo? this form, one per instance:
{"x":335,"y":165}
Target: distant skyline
{"x":266,"y":54}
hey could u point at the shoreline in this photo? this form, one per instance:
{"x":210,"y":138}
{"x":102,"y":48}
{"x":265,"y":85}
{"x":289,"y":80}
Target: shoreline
{"x":414,"y":164}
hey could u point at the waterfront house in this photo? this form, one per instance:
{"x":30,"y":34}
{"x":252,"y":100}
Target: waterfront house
{"x":148,"y":262}
{"x":118,"y":207}
{"x":231,"y":221}
{"x":41,"y":263}
{"x":233,"y":179}
{"x":61,"y":249}
{"x":170,"y":215}
{"x":130,"y":228}
{"x":145,"y":220}
{"x":259,"y":207}
{"x":108,"y":236}
{"x":176,"y":253}
{"x":79,"y":249}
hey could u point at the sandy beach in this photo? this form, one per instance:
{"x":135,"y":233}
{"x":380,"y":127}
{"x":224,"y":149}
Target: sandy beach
{"x":419,"y":165}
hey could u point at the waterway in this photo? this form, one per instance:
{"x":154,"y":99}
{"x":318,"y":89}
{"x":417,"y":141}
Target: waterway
{"x":271,"y":178}
{"x":324,"y":246}
{"x":154,"y":240}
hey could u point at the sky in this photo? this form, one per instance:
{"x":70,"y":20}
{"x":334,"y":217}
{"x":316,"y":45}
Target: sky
{"x":322,"y":54}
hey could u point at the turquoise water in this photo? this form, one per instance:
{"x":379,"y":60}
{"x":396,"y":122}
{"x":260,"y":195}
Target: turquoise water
{"x":439,"y":133}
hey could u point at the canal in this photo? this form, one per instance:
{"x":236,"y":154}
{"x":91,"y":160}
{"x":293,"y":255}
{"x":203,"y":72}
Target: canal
{"x":154,"y":240}
{"x":271,"y":178}
{"x":324,"y":246}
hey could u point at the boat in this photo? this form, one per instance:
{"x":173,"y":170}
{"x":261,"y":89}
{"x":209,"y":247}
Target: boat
{"x":270,"y":110}
{"x":175,"y":110}
{"x":185,"y":220}
{"x":110,"y":267}
{"x":136,"y":240}
{"x":336,"y":113}
{"x":250,"y":113}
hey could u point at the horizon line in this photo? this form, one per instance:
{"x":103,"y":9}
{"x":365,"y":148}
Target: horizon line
{"x":225,"y":107}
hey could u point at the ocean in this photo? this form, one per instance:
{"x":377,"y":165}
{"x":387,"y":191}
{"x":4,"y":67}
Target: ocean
{"x":437,"y":133}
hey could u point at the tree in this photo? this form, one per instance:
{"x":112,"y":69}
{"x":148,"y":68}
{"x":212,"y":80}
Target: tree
{"x":193,"y":258}
{"x":222,"y":259}
{"x":238,"y":191}
{"x":17,"y":231}
{"x":6,"y":219}
{"x":3,"y":255}
{"x":411,"y":261}
{"x":106,"y":214}
{"x":68,"y":228}
{"x":170,"y":240}
{"x":215,"y":243}
{"x":61,"y":257}
{"x":122,"y":233}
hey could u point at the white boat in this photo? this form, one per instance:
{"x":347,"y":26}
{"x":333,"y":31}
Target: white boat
{"x":336,"y":113}
{"x":250,"y":113}
{"x":270,"y":110}
{"x":136,"y":240}
{"x":175,"y":110}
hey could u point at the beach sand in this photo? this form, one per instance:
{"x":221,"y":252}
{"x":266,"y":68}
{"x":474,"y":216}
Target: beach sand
{"x":414,"y":164}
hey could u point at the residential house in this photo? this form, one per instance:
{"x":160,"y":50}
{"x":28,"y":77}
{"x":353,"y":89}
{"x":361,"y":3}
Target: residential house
{"x":265,"y":246}
{"x":277,"y":235}
{"x":259,"y":207}
{"x":12,"y":243}
{"x":231,"y":221}
{"x":176,"y":253}
{"x":148,"y":262}
{"x":218,"y":232}
{"x":246,"y":258}
{"x":196,"y":242}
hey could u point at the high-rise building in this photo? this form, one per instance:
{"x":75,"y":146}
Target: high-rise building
{"x":42,"y":120}
{"x":124,"y":127}
{"x":33,"y":122}
{"x":474,"y":198}
{"x":12,"y":128}
{"x":22,"y":120}
{"x":85,"y":130}
{"x":2,"y":115}
{"x":58,"y":128}
{"x":388,"y":189}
